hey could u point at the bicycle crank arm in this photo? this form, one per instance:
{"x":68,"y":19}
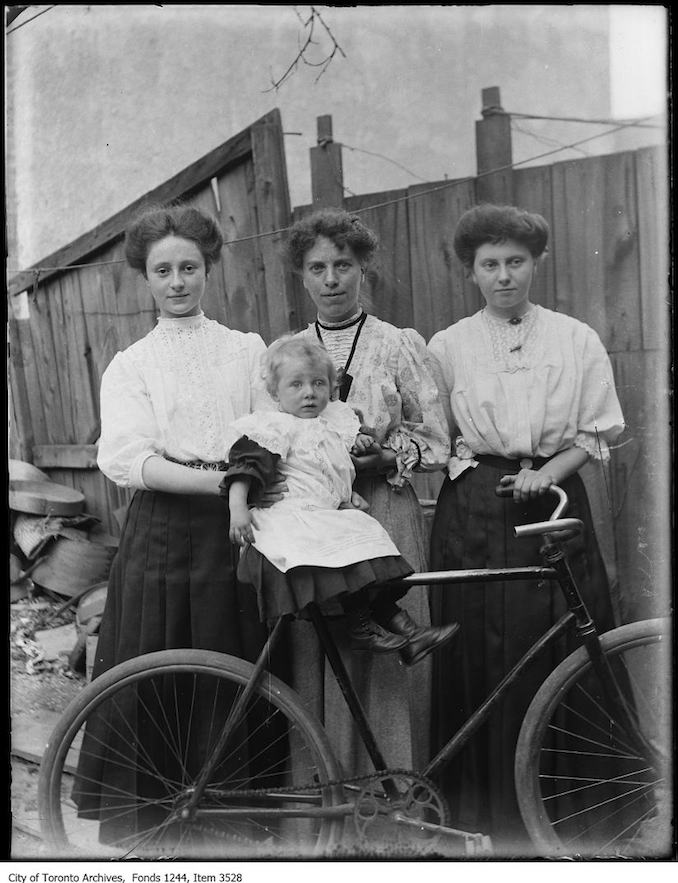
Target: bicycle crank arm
{"x":475,"y":844}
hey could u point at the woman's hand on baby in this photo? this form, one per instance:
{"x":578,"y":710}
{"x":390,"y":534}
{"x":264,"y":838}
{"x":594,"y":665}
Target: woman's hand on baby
{"x":362,"y":444}
{"x":527,"y":484}
{"x":356,"y":502}
{"x":375,"y":459}
{"x":272,"y":493}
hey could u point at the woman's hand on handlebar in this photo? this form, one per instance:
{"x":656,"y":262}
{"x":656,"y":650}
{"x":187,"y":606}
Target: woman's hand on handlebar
{"x":526,"y":485}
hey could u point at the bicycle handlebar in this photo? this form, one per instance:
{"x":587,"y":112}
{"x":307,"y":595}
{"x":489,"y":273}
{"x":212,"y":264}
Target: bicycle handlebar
{"x":543,"y":527}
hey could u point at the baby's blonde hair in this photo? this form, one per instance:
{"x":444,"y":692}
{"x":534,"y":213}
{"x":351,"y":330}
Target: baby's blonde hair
{"x":290,"y":346}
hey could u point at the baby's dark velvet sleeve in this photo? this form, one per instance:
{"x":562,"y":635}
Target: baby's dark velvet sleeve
{"x":247,"y":459}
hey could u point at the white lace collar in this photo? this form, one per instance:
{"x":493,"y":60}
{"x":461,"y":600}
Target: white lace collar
{"x":180,"y":322}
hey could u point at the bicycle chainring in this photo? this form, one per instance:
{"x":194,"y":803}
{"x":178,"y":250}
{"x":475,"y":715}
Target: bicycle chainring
{"x":387,"y":809}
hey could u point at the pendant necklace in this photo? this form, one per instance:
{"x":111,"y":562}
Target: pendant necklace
{"x":344,"y":378}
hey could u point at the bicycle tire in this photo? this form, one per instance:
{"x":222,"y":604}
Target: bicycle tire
{"x":582,"y":789}
{"x":161,"y":690}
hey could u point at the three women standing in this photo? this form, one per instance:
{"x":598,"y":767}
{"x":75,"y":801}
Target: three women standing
{"x":532,"y":398}
{"x":387,"y":376}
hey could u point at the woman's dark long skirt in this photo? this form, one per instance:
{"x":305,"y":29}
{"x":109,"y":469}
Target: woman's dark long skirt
{"x":172,"y":585}
{"x":473,"y":528}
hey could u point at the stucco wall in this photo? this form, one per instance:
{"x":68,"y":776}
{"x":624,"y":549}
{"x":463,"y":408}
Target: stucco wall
{"x":106,"y":102}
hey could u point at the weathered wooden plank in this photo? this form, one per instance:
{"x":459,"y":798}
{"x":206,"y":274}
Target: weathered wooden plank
{"x":20,"y":382}
{"x":493,"y":159}
{"x":101,"y":331}
{"x":494,"y":154}
{"x":327,"y":171}
{"x":232,"y":151}
{"x":65,"y":456}
{"x":578,"y":241}
{"x":214,"y":302}
{"x":83,"y":403}
{"x":532,"y":191}
{"x":130,"y":301}
{"x":61,"y":365}
{"x":47,"y":365}
{"x":653,"y":235}
{"x":387,"y":290}
{"x":273,"y":214}
{"x":442,"y":295}
{"x":241,"y":266}
{"x":619,"y":221}
{"x":640,"y":484}
{"x":596,"y":257}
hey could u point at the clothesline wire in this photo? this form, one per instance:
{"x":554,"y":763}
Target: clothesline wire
{"x":384,"y":157}
{"x":543,"y":138}
{"x":638,"y":122}
{"x":408,"y":196}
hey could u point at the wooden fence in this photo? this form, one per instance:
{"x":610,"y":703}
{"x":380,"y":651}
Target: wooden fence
{"x":64,"y":330}
{"x":607,"y":265}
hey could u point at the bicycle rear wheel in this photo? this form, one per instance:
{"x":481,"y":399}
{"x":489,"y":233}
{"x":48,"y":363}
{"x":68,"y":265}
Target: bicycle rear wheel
{"x":123,"y":760}
{"x":583,"y":787}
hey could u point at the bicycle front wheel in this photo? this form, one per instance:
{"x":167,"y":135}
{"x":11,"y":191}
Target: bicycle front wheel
{"x":120,"y":770}
{"x":585,"y":786}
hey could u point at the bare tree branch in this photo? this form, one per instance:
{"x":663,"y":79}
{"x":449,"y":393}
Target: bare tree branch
{"x":309,"y":27}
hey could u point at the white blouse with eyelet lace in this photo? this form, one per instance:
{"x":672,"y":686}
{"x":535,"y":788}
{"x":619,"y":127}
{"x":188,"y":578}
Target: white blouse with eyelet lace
{"x":530,"y":390}
{"x":176,"y":392}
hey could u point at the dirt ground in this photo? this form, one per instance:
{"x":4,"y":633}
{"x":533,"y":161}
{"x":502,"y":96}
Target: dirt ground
{"x":40,"y":687}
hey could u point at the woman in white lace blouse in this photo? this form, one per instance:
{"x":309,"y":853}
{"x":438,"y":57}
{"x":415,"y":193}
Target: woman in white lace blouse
{"x":387,"y":377}
{"x":166,"y":404}
{"x":532,"y":398}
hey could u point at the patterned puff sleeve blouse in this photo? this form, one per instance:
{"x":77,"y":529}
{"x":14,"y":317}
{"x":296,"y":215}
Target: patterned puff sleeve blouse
{"x":552,"y":390}
{"x":394,"y":392}
{"x":175,"y":392}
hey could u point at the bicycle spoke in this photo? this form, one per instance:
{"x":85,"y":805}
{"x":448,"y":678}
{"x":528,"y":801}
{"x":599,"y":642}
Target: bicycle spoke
{"x":146,"y":740}
{"x":590,"y":784}
{"x":587,"y":720}
{"x":606,"y":819}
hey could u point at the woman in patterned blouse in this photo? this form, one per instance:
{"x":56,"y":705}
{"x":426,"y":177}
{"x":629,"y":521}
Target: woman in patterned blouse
{"x":386,"y":377}
{"x":532,"y":398}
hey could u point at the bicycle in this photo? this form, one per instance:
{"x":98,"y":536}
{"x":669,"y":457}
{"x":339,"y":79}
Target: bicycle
{"x":257,"y":777}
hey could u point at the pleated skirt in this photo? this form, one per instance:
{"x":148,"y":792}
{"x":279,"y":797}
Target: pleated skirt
{"x":172,"y":585}
{"x":473,"y":528}
{"x":280,"y":593}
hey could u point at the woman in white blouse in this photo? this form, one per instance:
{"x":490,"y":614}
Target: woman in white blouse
{"x":166,"y":404}
{"x":532,"y":398}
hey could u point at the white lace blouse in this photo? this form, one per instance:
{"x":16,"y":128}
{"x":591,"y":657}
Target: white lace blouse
{"x":532,"y":389}
{"x":176,"y":392}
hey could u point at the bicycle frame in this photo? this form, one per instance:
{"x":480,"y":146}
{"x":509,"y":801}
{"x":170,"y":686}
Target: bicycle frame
{"x":555,"y":568}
